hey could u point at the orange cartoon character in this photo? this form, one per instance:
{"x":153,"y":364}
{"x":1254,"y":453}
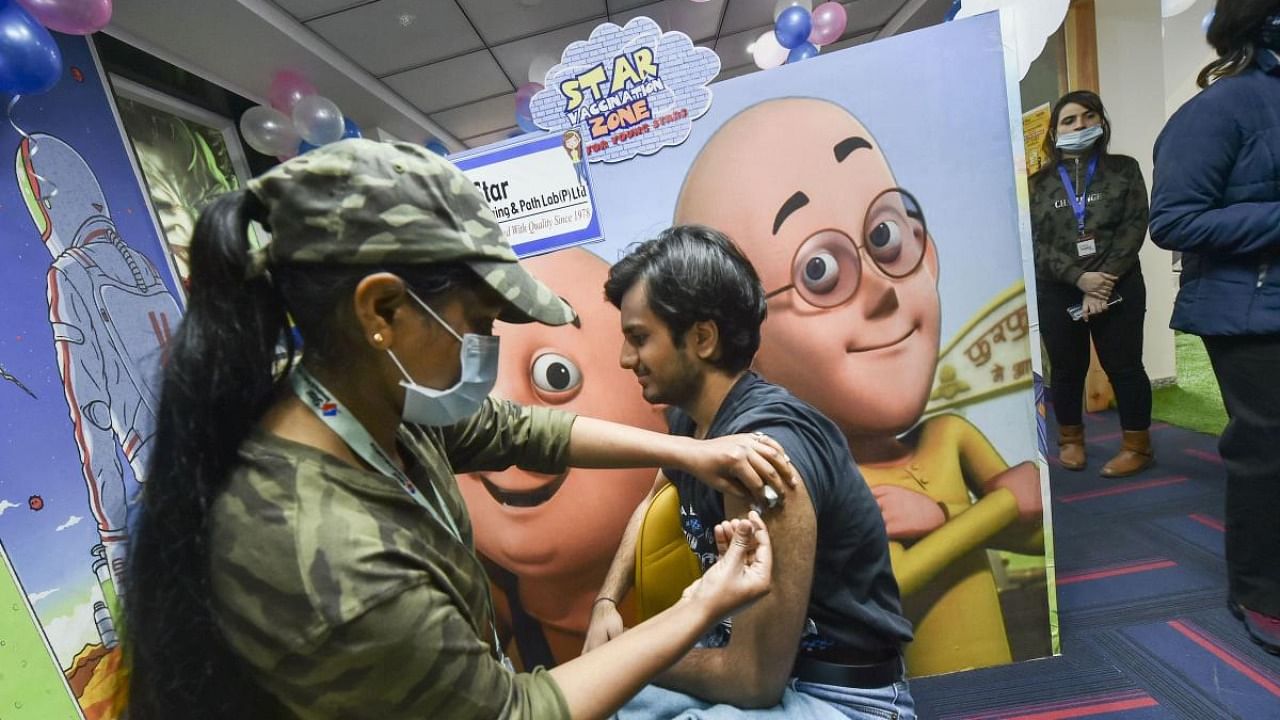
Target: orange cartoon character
{"x":549,"y":540}
{"x":851,"y":274}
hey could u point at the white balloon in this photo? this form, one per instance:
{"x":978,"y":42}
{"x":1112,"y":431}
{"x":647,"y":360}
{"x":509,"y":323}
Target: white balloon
{"x":318,"y":120}
{"x":767,"y":52}
{"x":1034,"y":21}
{"x":781,"y":5}
{"x":268,"y":131}
{"x":1169,"y":8}
{"x":539,"y":68}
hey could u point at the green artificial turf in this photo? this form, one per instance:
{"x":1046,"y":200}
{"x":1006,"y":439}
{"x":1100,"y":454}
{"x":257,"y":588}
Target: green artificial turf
{"x":1194,"y":403}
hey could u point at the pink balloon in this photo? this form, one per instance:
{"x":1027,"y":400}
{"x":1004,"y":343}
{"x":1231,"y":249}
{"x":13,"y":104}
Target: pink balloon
{"x":74,"y":17}
{"x":287,"y":88}
{"x":829,"y":20}
{"x":524,"y":94}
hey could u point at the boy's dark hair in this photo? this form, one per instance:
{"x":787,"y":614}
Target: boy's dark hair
{"x":693,"y":273}
{"x":1234,"y":34}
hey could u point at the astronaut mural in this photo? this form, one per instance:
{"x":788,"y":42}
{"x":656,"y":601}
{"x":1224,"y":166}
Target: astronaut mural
{"x":89,"y":307}
{"x":111,"y":317}
{"x":549,"y":540}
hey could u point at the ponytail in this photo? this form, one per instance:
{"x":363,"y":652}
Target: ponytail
{"x":1233,"y":63}
{"x":218,"y":381}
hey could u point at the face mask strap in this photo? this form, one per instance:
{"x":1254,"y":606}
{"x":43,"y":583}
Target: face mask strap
{"x":396,"y":360}
{"x":433,"y":314}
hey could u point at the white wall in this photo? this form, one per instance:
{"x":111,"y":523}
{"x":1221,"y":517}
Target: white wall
{"x":1185,"y":52}
{"x":1131,"y":70}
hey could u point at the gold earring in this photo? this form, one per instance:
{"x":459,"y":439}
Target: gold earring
{"x":377,"y":338}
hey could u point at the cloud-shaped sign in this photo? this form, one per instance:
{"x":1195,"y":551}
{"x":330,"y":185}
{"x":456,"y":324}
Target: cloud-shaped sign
{"x":628,"y":91}
{"x":1034,"y":21}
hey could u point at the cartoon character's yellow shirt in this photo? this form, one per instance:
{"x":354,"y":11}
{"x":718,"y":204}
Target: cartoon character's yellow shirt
{"x":948,"y":589}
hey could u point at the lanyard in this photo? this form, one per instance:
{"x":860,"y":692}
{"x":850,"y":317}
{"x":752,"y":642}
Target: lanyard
{"x":344,"y":424}
{"x":1079,"y":202}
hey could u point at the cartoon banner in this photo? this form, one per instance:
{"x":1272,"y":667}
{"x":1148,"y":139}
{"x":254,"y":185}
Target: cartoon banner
{"x":89,"y":306}
{"x":629,"y":90}
{"x":803,"y":164}
{"x":1035,"y":125}
{"x":539,"y":190}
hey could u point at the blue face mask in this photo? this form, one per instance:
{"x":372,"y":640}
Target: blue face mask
{"x":1080,"y":140}
{"x":429,"y":406}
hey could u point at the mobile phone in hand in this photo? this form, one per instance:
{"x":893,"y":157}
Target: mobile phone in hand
{"x":1077,"y":311}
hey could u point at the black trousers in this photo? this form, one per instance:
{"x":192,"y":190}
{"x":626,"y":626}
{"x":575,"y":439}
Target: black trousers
{"x":1250,"y":447}
{"x":1117,"y":333}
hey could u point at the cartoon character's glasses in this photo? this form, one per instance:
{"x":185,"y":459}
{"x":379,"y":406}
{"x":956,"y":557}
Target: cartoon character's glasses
{"x":827,"y":268}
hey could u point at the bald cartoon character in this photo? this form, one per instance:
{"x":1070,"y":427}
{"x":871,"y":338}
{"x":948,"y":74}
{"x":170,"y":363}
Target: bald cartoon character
{"x":851,"y":272}
{"x":549,"y":539}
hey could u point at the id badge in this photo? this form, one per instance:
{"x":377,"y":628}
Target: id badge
{"x":1086,"y":246}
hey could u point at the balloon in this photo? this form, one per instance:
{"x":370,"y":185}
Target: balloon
{"x":318,"y":120}
{"x":539,"y":68}
{"x":793,"y":27}
{"x":829,"y":20}
{"x":804,"y":52}
{"x":767,"y":52}
{"x":781,"y":5}
{"x":437,"y":147}
{"x":73,"y":17}
{"x":1206,"y":22}
{"x":268,"y":131}
{"x":30,"y":61}
{"x":524,"y":94}
{"x":305,"y":147}
{"x":287,"y":88}
{"x":350,"y":129}
{"x":526,"y":124}
{"x":1169,"y":8}
{"x":952,"y":11}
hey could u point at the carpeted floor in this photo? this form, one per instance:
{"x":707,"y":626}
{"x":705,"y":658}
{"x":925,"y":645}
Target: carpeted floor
{"x":1141,"y":594}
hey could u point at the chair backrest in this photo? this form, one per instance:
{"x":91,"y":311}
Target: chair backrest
{"x":665,"y":565}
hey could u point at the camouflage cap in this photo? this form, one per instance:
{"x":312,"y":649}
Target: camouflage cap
{"x":361,"y":202}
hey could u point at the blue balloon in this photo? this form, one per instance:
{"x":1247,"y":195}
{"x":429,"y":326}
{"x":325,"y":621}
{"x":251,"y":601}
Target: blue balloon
{"x":30,"y":61}
{"x":350,"y":129}
{"x":437,"y":147}
{"x":526,"y":123}
{"x":804,"y":52}
{"x":952,"y":11}
{"x":793,"y":27}
{"x":1208,"y":20}
{"x":305,"y":147}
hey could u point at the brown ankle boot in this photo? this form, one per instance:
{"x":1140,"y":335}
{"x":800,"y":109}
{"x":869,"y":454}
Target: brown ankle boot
{"x":1071,"y":446}
{"x":1134,"y":456}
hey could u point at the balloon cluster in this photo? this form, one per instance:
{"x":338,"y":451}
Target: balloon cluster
{"x":30,"y":61}
{"x":298,"y":119}
{"x":799,"y":32}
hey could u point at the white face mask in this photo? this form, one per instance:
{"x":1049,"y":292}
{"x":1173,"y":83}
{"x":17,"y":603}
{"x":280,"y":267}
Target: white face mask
{"x":1080,"y":140}
{"x":429,"y":406}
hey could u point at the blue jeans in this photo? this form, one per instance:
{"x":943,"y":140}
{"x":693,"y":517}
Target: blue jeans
{"x":800,"y":701}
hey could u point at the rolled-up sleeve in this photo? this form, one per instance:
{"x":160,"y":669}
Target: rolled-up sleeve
{"x":412,"y":657}
{"x":502,"y":434}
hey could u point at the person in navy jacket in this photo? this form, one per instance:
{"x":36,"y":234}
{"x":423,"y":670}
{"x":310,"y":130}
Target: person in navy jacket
{"x":1216,"y":198}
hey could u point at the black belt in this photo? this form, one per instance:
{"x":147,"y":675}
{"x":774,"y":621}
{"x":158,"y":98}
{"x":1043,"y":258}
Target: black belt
{"x":868,"y":676}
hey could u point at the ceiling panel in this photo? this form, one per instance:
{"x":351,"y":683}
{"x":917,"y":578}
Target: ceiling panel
{"x":519,"y":19}
{"x":516,"y":57}
{"x":616,"y":6}
{"x":732,"y":49}
{"x":479,"y":118}
{"x":747,"y":14}
{"x":698,"y":20}
{"x":490,"y":138}
{"x":307,"y":9}
{"x":436,"y":86}
{"x":867,"y":15}
{"x":393,"y":35}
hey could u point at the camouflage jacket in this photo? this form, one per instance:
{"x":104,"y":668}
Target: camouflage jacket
{"x":1116,"y":215}
{"x":350,"y":601}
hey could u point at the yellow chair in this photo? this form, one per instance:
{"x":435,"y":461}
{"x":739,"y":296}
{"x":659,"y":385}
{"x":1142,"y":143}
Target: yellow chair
{"x":665,"y":565}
